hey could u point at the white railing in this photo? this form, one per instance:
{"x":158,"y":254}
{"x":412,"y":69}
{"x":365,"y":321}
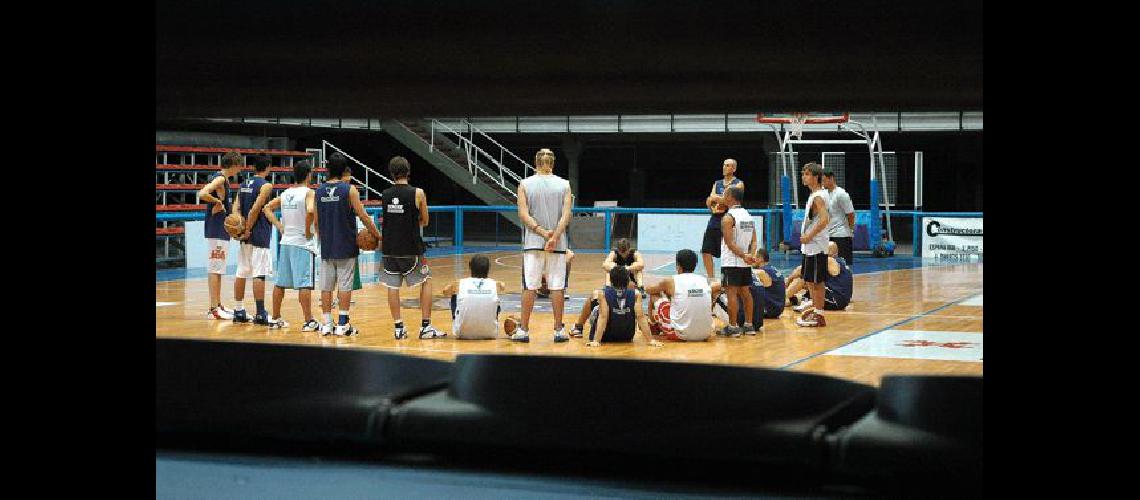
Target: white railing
{"x":367,"y":170}
{"x":527,"y":168}
{"x":473,"y":152}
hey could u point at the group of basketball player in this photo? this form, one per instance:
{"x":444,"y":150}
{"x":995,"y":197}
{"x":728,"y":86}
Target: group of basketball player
{"x":319,"y":225}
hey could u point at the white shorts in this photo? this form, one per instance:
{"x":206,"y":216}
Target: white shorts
{"x":537,"y":263}
{"x":254,"y":262}
{"x":217,"y":261}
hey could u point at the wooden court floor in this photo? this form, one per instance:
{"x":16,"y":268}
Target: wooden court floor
{"x":914,"y":311}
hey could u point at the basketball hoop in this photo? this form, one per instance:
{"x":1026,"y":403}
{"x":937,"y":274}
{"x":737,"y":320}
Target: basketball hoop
{"x":796,"y":121}
{"x":796,"y":126}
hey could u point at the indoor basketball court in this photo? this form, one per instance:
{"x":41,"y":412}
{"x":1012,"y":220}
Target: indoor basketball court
{"x":817,"y":166}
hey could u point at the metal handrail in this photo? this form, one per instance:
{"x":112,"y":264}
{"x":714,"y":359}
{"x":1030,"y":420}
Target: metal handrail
{"x":473,"y":164}
{"x":526,"y":166}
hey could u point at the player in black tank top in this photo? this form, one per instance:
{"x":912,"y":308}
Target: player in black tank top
{"x":405,"y":214}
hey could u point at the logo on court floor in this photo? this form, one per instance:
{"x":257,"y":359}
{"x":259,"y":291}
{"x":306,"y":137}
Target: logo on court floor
{"x":928,"y":343}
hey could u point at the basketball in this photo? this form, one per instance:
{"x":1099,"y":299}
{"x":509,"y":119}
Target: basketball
{"x":509,"y":325}
{"x":365,"y":240}
{"x":235,"y":224}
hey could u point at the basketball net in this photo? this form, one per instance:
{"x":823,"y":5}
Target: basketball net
{"x":796,"y":126}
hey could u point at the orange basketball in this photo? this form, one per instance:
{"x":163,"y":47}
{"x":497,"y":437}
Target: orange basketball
{"x":235,"y":224}
{"x":510,"y":324}
{"x":365,"y":240}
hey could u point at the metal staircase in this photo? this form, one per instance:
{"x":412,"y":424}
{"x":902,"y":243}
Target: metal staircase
{"x":460,"y":153}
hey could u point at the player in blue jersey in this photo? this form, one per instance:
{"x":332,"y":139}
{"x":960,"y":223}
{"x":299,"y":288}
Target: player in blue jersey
{"x":254,"y":259}
{"x":215,"y":194}
{"x":338,"y":203}
{"x":710,"y":246}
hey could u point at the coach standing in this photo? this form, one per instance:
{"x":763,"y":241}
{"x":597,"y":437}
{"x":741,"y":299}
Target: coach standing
{"x":841,"y":212}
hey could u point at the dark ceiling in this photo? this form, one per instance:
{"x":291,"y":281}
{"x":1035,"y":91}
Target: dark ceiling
{"x":356,"y":58}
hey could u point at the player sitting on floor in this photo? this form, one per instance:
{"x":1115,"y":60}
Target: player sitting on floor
{"x":625,"y":255}
{"x":682,"y":303}
{"x":838,"y":285}
{"x":767,"y":294}
{"x":475,"y":302}
{"x":614,"y":313}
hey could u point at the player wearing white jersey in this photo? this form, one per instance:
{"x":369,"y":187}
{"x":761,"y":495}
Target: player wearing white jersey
{"x":475,"y":302}
{"x":296,"y":261}
{"x":544,"y":202}
{"x":737,"y":246}
{"x":813,"y":241}
{"x":682,"y":304}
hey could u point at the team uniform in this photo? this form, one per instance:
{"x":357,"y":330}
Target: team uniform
{"x":687,"y":316}
{"x":735,"y":271}
{"x":475,"y":309}
{"x":814,"y":264}
{"x":774,"y":293}
{"x":217,"y":239}
{"x":622,"y":321}
{"x":296,"y":262}
{"x":544,"y":196}
{"x":838,"y":288}
{"x":403,"y":245}
{"x":254,"y":259}
{"x":838,"y":206}
{"x":713,"y":236}
{"x":337,"y":224}
{"x":720,"y":307}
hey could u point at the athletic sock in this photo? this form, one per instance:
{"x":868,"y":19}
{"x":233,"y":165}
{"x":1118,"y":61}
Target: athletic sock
{"x":260,"y":307}
{"x":425,"y":323}
{"x":328,"y":318}
{"x":239,"y":307}
{"x":400,"y":324}
{"x":343,"y":318}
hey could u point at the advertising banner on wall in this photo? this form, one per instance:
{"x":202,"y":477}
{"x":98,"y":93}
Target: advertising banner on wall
{"x":951,"y":237}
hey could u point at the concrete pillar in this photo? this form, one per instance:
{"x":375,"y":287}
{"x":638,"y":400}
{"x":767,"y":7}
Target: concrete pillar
{"x":572,"y":147}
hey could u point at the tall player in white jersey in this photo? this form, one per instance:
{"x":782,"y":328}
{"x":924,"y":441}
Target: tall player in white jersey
{"x":475,"y":302}
{"x":296,"y":262}
{"x":682,"y":304}
{"x":544,"y":207}
{"x":813,"y":241}
{"x":737,"y":246}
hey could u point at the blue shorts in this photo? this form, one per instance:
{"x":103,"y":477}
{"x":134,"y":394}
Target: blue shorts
{"x":295,"y":267}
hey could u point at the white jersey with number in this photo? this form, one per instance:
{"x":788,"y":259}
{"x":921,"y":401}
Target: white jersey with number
{"x":743,"y":228}
{"x":691,"y":306}
{"x":818,"y":244}
{"x":293,"y":216}
{"x":476,"y":308}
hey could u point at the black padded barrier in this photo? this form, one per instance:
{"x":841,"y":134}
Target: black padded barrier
{"x":925,"y":430}
{"x":681,"y":410}
{"x":286,"y":393}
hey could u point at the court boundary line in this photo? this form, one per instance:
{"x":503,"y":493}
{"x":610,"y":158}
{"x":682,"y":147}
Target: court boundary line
{"x":876,"y":332}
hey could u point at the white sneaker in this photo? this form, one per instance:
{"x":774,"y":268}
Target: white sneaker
{"x":278,"y":323}
{"x":560,"y":335}
{"x":345,"y":330}
{"x":311,"y":326}
{"x":219,"y":313}
{"x":327,"y":329}
{"x":805,"y":304}
{"x":429,"y":332}
{"x":520,"y":335}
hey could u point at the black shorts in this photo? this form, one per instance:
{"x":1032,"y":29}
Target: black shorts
{"x":711,"y":243}
{"x":736,"y":276}
{"x":845,"y":248}
{"x":814,"y":268}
